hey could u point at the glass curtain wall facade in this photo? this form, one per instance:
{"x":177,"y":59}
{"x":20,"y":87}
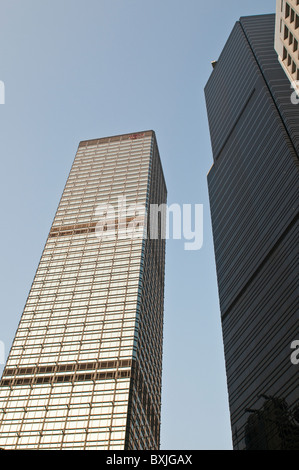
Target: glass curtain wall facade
{"x":84,"y":370}
{"x":253,"y":190}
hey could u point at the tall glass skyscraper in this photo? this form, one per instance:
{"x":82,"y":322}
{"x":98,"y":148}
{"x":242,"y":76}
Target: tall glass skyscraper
{"x":253,"y":189}
{"x":84,"y":370}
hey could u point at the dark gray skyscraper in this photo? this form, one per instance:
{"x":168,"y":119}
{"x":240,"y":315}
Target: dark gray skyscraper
{"x":84,"y":370}
{"x":253,"y":188}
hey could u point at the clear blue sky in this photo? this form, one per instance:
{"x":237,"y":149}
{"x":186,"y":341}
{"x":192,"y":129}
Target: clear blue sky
{"x":84,"y":69}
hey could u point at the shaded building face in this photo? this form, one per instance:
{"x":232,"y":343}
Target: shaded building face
{"x":253,"y":189}
{"x":84,"y":370}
